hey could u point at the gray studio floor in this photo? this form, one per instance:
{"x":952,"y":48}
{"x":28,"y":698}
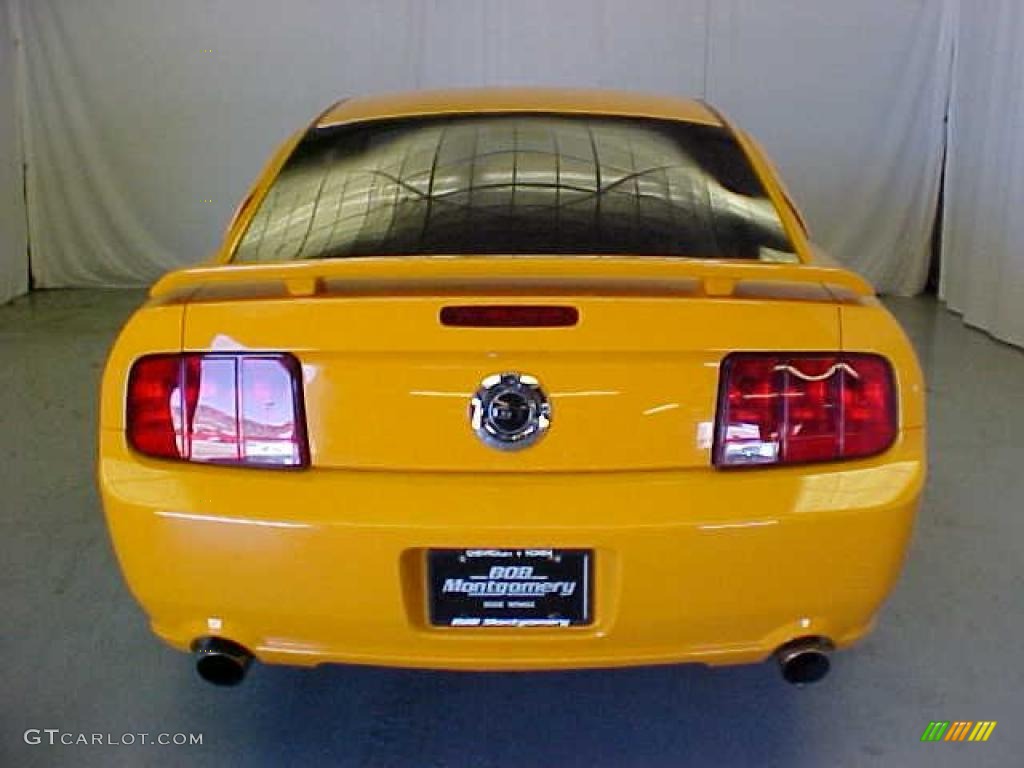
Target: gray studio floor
{"x":78,"y":656}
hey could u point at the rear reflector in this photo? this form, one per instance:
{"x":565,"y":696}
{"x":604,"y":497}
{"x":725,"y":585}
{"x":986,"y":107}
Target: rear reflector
{"x":218,"y":408}
{"x":795,"y":408}
{"x":509,"y":316}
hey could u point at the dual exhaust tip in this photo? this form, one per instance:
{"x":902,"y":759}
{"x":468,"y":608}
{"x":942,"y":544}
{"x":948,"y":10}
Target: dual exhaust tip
{"x":223,"y":662}
{"x":804,"y":660}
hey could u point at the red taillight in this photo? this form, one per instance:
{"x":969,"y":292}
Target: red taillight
{"x":789,"y":409}
{"x":509,"y":316}
{"x":218,"y":408}
{"x":154,"y":410}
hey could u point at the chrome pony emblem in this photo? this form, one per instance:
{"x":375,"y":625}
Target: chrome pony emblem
{"x":510,"y":411}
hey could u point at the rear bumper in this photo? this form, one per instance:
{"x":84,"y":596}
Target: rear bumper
{"x":329,"y":566}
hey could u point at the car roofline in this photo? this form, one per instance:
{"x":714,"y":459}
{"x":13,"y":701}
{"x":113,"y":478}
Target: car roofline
{"x":608,"y":103}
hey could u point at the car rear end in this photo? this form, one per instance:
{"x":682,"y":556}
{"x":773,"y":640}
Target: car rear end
{"x":294,"y":456}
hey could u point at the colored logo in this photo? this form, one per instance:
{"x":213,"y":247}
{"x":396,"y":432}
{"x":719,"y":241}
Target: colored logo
{"x":958,"y":730}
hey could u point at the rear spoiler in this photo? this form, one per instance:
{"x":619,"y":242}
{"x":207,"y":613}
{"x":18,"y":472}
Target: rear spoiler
{"x":307,"y":278}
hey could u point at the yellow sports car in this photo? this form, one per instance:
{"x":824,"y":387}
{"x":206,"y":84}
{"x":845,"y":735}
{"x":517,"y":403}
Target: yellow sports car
{"x":513,"y":379}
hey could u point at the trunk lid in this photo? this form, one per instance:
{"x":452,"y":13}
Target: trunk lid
{"x":632,"y":386}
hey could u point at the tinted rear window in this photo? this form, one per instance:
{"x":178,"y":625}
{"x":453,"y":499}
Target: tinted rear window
{"x":516,"y":184}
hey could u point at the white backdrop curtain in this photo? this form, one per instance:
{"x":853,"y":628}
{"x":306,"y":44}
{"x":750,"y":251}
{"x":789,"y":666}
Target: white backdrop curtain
{"x":13,"y":253}
{"x":849,"y":98}
{"x":983,"y":226}
{"x":141,"y":111}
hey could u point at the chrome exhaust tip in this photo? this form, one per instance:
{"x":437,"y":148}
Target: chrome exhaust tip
{"x":804,"y":660}
{"x":220,"y":661}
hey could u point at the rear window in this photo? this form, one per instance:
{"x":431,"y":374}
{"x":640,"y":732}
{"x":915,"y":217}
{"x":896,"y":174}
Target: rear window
{"x":516,"y":184}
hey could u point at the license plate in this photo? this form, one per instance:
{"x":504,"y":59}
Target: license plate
{"x":509,"y":587}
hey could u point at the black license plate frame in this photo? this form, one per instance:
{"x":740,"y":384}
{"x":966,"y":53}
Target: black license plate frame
{"x":501,"y":587}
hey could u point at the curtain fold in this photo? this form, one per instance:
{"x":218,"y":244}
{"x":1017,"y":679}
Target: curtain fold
{"x":983,"y":230}
{"x":13,"y":243}
{"x":147,"y":120}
